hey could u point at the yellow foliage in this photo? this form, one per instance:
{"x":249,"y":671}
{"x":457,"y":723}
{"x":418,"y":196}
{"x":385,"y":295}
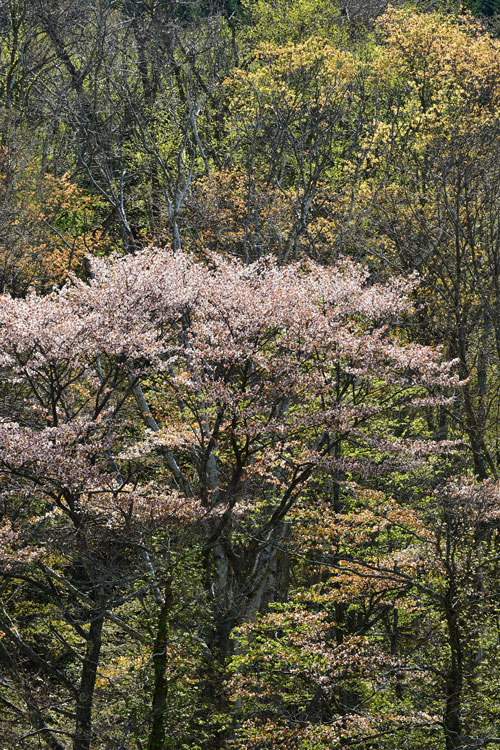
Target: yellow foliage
{"x":448,"y":66}
{"x":283,"y":21}
{"x":48,"y":225}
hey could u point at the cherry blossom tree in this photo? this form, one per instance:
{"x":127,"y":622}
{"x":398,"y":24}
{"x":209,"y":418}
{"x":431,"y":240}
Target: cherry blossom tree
{"x":167,"y":391}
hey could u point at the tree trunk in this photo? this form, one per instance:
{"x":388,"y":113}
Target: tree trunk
{"x":83,"y":713}
{"x":454,"y":684}
{"x":160,"y":687}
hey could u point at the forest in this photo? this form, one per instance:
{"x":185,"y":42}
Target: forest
{"x":249,"y":374}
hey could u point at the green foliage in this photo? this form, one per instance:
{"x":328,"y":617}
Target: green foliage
{"x":288,"y":21}
{"x":483,"y":7}
{"x":248,"y":129}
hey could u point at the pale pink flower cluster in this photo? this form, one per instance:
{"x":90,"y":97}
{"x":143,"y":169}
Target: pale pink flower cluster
{"x":257,"y":363}
{"x":13,"y":547}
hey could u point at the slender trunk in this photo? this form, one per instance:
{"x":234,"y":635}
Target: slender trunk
{"x":157,"y":739}
{"x":480,"y":454}
{"x":83,"y":713}
{"x":454,"y":685}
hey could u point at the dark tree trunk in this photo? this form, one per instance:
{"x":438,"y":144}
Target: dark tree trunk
{"x":83,"y":720}
{"x":454,"y":684}
{"x":160,"y":687}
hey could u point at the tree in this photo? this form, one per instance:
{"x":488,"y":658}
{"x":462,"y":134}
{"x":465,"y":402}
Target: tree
{"x":48,"y":225}
{"x":431,"y":194}
{"x":261,"y":378}
{"x":388,"y":636}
